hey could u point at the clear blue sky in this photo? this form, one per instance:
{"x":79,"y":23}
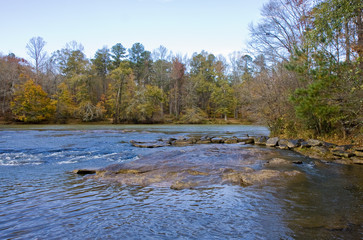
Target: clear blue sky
{"x":182,"y":26}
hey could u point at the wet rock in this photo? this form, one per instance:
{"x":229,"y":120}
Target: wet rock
{"x":329,"y":145}
{"x":283,"y":144}
{"x":230,"y":140}
{"x":272,"y":142}
{"x":198,"y":166}
{"x":297,"y":162}
{"x":292,"y":173}
{"x":263,"y":176}
{"x":344,"y":161}
{"x":261,"y":140}
{"x":245,"y":140}
{"x":358,"y":153}
{"x":179,"y":185}
{"x":84,"y":171}
{"x":314,"y":142}
{"x":278,"y":161}
{"x":292,"y":143}
{"x":182,"y":141}
{"x":358,"y":161}
{"x":320,"y":150}
{"x":148,"y":145}
{"x":343,"y":147}
{"x":305,"y":144}
{"x":341,"y":153}
{"x":217,"y":140}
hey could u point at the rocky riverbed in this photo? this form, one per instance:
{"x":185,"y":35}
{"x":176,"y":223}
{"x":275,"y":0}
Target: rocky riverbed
{"x":221,"y":160}
{"x":344,"y":154}
{"x":199,"y":167}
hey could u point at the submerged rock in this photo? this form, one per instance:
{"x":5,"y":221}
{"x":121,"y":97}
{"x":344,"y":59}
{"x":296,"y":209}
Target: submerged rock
{"x":278,"y":161}
{"x":202,"y":165}
{"x":148,"y":144}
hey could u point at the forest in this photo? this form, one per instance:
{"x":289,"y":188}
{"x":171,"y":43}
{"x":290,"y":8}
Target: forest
{"x":303,"y":77}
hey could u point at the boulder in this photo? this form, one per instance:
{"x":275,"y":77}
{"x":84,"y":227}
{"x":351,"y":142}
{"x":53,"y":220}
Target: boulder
{"x":179,"y":185}
{"x":246,"y":140}
{"x":181,"y":142}
{"x":343,"y":147}
{"x":261,"y":140}
{"x":329,"y":145}
{"x":205,"y":141}
{"x":283,"y":144}
{"x":314,"y":142}
{"x":345,"y":161}
{"x":84,"y":171}
{"x":283,"y":147}
{"x":147,"y":145}
{"x":340,"y":153}
{"x":320,"y":150}
{"x":304,"y":144}
{"x":357,"y":161}
{"x":230,"y":140}
{"x":358,"y":153}
{"x":272,"y":142}
{"x":217,"y":140}
{"x":297,"y":162}
{"x":292,"y":143}
{"x":278,"y":162}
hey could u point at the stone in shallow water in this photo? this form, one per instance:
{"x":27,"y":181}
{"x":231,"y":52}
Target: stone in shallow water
{"x":278,"y":161}
{"x":272,"y":142}
{"x":85,"y":171}
{"x":201,"y":165}
{"x":261,"y":140}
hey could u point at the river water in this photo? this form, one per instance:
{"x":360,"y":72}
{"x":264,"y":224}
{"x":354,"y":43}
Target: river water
{"x":40,"y":197}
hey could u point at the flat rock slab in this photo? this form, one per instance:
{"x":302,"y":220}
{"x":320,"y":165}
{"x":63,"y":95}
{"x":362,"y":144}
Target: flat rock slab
{"x":203,"y":165}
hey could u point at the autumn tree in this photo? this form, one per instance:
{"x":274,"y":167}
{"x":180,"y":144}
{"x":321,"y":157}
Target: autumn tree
{"x":176,"y":90}
{"x":31,"y":104}
{"x":11,"y":67}
{"x":145,"y":108}
{"x":121,"y":91}
{"x":65,"y":107}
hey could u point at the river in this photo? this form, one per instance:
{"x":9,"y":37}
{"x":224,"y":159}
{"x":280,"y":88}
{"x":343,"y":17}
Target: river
{"x":41,"y":198}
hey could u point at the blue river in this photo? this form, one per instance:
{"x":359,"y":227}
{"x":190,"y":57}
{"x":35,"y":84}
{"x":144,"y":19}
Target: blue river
{"x":41,"y":198}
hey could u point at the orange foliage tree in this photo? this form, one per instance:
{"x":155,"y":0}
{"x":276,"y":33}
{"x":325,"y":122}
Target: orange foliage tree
{"x":31,"y":103}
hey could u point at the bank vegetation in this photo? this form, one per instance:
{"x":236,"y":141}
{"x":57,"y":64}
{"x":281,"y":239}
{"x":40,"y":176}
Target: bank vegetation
{"x":303,"y":78}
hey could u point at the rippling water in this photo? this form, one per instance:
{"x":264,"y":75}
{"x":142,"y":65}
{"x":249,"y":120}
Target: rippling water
{"x":40,"y":198}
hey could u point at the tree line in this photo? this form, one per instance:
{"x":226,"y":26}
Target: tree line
{"x":303,"y":74}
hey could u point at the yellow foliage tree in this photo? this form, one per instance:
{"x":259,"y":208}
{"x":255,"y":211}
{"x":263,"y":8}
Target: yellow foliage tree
{"x":31,"y":104}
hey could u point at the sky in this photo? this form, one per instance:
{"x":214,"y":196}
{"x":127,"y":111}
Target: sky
{"x":182,"y":26}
